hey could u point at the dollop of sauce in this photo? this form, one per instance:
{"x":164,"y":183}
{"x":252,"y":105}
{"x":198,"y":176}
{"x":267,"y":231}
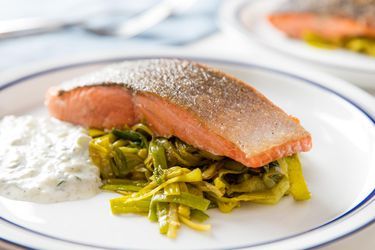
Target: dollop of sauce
{"x":45,"y":160}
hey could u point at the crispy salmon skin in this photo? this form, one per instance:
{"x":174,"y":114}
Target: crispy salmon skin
{"x":330,"y":19}
{"x":200,"y":105}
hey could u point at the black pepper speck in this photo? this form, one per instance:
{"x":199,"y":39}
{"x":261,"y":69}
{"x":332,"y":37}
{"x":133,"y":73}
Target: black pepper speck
{"x":226,"y":105}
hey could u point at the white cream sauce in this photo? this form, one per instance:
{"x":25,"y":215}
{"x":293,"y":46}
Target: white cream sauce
{"x":45,"y":160}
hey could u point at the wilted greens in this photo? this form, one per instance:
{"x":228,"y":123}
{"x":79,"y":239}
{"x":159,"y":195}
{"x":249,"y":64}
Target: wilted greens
{"x":173,"y":183}
{"x":363,"y":45}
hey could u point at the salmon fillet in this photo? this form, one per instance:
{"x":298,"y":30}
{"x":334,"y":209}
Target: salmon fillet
{"x":330,"y":19}
{"x":200,"y":105}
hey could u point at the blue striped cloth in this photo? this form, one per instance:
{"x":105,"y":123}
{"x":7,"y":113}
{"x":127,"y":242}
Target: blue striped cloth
{"x":195,"y":23}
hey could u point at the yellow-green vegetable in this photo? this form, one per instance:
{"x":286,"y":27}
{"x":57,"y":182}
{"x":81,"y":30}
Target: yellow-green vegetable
{"x":173,"y":220}
{"x":184,"y":210}
{"x":121,"y":187}
{"x":120,"y":207}
{"x":172,"y":182}
{"x":193,"y":225}
{"x":298,"y":187}
{"x":197,"y":215}
{"x":365,"y":45}
{"x":96,"y":132}
{"x":187,"y":199}
{"x":162,"y":214}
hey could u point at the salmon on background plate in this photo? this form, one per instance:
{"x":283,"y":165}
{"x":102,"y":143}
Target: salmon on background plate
{"x":202,"y":106}
{"x":348,"y":24}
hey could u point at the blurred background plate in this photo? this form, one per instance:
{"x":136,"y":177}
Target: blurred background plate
{"x":248,"y":18}
{"x":339,"y":170}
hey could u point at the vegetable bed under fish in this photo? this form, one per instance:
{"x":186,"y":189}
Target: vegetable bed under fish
{"x":363,"y":45}
{"x":173,"y":183}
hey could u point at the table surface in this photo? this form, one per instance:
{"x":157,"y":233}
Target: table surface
{"x":231,"y":47}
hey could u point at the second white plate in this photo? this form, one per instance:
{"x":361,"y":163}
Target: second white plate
{"x":249,"y":18}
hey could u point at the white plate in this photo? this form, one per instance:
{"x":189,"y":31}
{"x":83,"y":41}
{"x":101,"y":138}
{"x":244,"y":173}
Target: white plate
{"x":249,"y":18}
{"x":339,"y":171}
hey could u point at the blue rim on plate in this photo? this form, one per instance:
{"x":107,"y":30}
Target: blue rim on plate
{"x":364,"y":203}
{"x":237,"y":19}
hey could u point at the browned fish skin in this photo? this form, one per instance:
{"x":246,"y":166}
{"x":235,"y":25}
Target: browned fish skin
{"x":359,"y":10}
{"x":227,"y":106}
